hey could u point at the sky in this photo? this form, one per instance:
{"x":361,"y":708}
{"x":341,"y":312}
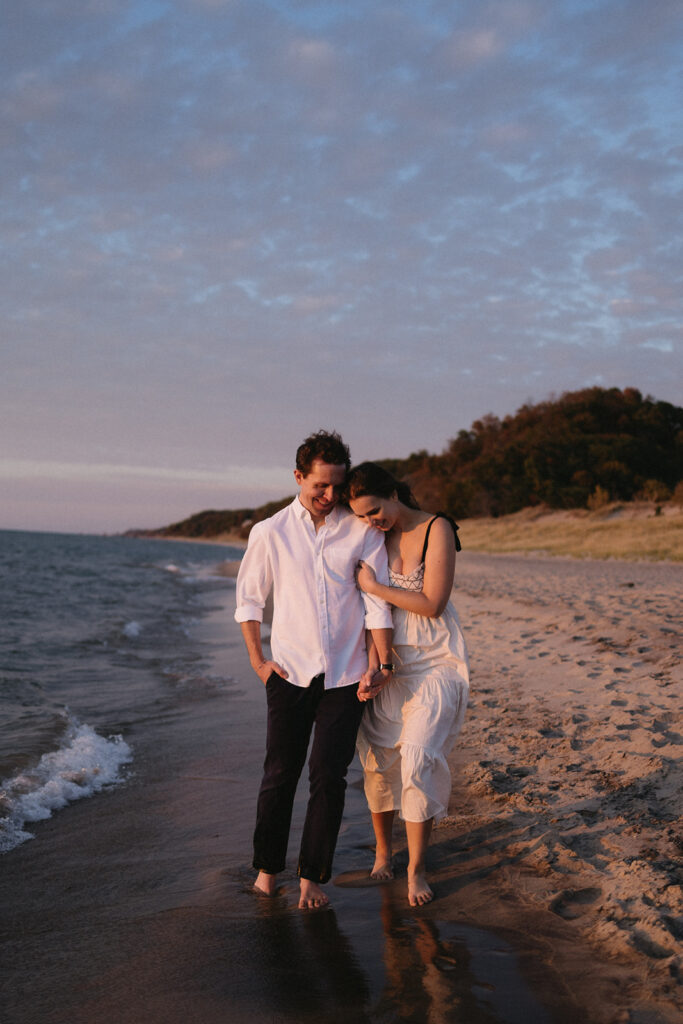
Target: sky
{"x":225,"y":224}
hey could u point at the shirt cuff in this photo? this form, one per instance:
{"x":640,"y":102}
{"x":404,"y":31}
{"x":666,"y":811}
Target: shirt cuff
{"x":249,"y":613}
{"x":376,"y":619}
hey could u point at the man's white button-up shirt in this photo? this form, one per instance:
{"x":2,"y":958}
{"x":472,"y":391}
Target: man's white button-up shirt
{"x":320,"y":616}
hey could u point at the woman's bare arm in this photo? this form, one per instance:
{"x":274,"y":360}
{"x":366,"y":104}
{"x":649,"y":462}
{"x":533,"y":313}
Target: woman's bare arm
{"x":438,"y":578}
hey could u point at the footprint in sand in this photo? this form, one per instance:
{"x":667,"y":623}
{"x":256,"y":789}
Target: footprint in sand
{"x":551,"y":732}
{"x":572,"y":903}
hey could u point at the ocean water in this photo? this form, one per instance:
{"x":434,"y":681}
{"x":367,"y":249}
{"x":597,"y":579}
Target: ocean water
{"x":96,"y":635}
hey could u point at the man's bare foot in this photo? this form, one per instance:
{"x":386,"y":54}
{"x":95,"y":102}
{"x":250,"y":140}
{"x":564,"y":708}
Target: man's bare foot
{"x":265,"y":885}
{"x":312,"y":897}
{"x":383,"y":870}
{"x":419,"y":892}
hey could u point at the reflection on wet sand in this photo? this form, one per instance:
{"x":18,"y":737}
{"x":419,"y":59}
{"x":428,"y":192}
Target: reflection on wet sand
{"x":442,"y":972}
{"x":386,"y":963}
{"x":310,"y":970}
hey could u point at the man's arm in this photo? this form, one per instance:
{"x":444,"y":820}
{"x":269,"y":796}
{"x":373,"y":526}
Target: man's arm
{"x":263,"y":667}
{"x":378,"y":627}
{"x":382,"y":639}
{"x":378,"y":643}
{"x":377,"y":611}
{"x":254,"y":584}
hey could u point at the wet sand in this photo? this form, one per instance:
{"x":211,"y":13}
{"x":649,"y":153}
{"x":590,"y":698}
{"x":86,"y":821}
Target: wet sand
{"x":553,"y":875}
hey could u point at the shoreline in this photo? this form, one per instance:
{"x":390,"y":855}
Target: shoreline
{"x":623,"y":531}
{"x":220,"y":539}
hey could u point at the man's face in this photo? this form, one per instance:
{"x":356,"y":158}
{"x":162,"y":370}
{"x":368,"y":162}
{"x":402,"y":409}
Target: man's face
{"x":321,"y":487}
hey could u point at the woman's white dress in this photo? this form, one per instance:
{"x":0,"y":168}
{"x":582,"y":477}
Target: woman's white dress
{"x":408,"y":730}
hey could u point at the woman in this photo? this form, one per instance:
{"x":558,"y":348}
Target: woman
{"x":410,"y":724}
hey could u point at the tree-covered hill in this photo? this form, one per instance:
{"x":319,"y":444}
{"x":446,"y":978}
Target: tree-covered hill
{"x":214,"y":522}
{"x":587,"y":447}
{"x":580,"y":450}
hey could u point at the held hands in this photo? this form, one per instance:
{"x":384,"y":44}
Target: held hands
{"x":265,"y":670}
{"x":365,"y":577}
{"x":372,"y":682}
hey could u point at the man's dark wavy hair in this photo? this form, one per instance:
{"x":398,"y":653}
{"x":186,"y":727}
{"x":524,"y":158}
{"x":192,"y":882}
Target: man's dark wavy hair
{"x":325,"y":445}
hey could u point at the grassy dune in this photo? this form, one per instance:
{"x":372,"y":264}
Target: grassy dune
{"x":631,"y":531}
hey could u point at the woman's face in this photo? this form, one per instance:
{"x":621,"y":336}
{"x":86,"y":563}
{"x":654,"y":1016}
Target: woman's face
{"x":381,"y":513}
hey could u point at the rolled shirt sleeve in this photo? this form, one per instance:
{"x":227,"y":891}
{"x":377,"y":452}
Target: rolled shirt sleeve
{"x":377,"y":611}
{"x":254,"y":579}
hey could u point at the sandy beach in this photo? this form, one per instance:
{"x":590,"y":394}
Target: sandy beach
{"x":556,"y":898}
{"x":567,"y":776}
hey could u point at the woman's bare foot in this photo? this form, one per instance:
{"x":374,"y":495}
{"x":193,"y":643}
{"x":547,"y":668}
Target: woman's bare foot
{"x":265,"y":885}
{"x":312,"y":897}
{"x":383,"y":870}
{"x":419,"y":892}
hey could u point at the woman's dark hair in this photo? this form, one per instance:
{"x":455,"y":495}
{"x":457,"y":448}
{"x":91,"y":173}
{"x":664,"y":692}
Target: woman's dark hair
{"x":323,"y":445}
{"x":370,"y":479}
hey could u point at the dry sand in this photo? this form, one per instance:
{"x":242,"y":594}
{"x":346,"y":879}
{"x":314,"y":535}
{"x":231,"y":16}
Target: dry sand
{"x":636,"y":530}
{"x":567,"y":775}
{"x":632,"y":530}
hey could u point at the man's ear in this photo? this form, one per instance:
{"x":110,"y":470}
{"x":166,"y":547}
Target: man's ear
{"x":298,"y":476}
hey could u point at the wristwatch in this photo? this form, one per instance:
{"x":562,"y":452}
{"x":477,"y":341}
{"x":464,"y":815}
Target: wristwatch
{"x":388,"y":666}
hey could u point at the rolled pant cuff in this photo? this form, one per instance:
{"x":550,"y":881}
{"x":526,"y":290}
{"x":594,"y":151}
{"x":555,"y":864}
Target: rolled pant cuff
{"x":268,"y":869}
{"x":313,"y":874}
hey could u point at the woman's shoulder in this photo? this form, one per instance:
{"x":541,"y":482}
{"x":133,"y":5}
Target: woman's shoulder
{"x":440,"y":522}
{"x":442,"y":527}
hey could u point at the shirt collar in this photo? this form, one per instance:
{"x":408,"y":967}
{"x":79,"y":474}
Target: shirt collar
{"x":302,"y":512}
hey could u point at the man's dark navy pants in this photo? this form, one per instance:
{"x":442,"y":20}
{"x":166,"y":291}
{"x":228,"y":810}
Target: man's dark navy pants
{"x":293,"y":713}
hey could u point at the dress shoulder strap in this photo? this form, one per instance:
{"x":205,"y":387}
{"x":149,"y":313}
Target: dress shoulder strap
{"x":454,"y":526}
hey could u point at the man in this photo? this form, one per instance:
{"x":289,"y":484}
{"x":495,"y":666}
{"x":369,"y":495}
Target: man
{"x":306,"y":555}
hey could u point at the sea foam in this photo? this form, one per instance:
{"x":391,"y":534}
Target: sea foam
{"x":83,"y":765}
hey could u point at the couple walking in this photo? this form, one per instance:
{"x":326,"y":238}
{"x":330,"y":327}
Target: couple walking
{"x":343,"y":670}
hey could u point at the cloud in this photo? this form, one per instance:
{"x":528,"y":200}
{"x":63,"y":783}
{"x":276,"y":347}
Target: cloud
{"x":467,"y":48}
{"x":243,"y":477}
{"x":316,"y":55}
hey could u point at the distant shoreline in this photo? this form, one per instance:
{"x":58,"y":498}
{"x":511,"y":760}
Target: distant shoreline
{"x":627,"y":531}
{"x":232,"y":540}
